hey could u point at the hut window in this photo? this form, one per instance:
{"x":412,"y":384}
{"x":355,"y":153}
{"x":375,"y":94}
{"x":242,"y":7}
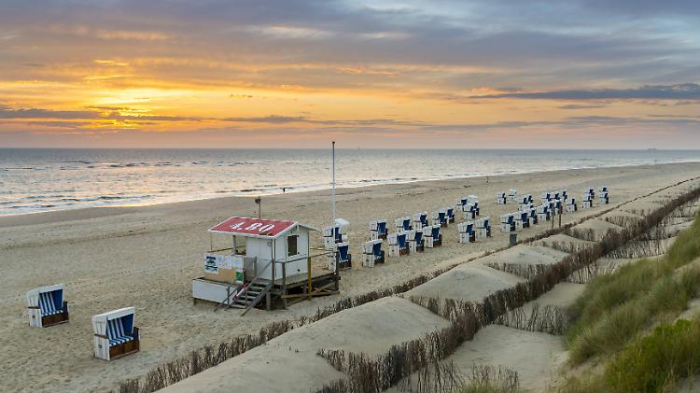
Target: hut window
{"x":292,"y":245}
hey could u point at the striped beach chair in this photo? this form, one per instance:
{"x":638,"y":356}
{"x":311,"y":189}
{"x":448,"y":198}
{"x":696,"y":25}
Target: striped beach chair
{"x":115,"y":334}
{"x":46,"y":306}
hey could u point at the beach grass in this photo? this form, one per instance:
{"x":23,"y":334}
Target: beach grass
{"x":613,"y":319}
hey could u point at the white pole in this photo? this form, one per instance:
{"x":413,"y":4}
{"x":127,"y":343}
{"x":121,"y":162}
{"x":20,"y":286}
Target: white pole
{"x":333,"y":226}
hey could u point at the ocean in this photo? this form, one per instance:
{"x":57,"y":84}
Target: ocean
{"x":39,"y":180}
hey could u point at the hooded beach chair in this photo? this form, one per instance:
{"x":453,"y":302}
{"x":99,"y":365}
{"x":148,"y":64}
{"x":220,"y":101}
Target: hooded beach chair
{"x":543,"y":213}
{"x":415,"y":240}
{"x":522,"y":220}
{"x":501,"y":198}
{"x":603,"y":198}
{"x":46,"y":306}
{"x":507,"y":222}
{"x":398,"y":244}
{"x":466,"y":232}
{"x":115,"y":334}
{"x":372,"y":253}
{"x":444,"y":220}
{"x":586,"y":201}
{"x":461,"y":202}
{"x":513,"y":194}
{"x":377,"y":229}
{"x":483,"y":228}
{"x":343,"y":257}
{"x":432,"y":236}
{"x":571,"y":205}
{"x":403,"y":224}
{"x":468,"y":212}
{"x":533,"y":215}
{"x":450,"y":214}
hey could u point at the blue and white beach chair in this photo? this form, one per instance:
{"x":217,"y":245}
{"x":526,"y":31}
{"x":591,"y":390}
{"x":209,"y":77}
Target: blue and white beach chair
{"x":377,"y":229}
{"x":522,"y":220}
{"x":343,"y":256}
{"x":571,"y":205}
{"x":372,"y":253}
{"x":603,"y":197}
{"x":483,"y":227}
{"x":431,"y":236}
{"x":501,"y":198}
{"x":415,"y":241}
{"x":543,"y":213}
{"x":403,"y":224}
{"x":466,"y":232}
{"x":115,"y":334}
{"x":46,"y":306}
{"x":507,"y":222}
{"x":398,"y":244}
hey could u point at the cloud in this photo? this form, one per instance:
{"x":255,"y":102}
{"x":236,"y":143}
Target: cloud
{"x":271,"y":119}
{"x":577,"y":106}
{"x":34,"y":113}
{"x":684,"y":91}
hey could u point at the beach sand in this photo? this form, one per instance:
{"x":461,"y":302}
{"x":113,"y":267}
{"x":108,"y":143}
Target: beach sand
{"x":145,"y":257}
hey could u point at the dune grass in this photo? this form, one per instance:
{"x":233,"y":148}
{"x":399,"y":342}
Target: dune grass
{"x":616,"y":307}
{"x":613,"y":318}
{"x":656,"y":362}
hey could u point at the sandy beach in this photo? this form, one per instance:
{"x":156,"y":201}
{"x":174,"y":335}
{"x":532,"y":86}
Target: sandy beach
{"x":145,"y":257}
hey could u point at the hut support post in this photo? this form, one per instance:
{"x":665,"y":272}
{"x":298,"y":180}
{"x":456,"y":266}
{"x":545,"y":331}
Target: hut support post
{"x":284,"y":284}
{"x":308,"y":275}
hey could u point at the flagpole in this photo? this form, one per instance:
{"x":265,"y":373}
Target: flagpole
{"x":333,"y":149}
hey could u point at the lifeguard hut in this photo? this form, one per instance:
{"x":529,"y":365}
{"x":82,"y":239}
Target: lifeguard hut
{"x":267,"y":259}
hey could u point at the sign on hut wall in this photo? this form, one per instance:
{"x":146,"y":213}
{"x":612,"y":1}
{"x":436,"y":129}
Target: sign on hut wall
{"x":223,"y":267}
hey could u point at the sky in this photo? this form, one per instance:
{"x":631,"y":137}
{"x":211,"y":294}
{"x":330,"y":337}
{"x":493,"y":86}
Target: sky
{"x":571,"y":74}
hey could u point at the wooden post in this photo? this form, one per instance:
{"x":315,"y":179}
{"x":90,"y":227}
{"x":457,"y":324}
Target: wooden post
{"x":284,"y":284}
{"x":308,"y":274}
{"x":560,"y":219}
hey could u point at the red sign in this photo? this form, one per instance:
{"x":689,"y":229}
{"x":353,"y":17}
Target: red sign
{"x":253,"y":227}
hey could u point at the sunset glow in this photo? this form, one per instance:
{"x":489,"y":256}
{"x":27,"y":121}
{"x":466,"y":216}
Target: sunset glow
{"x":575,"y":74}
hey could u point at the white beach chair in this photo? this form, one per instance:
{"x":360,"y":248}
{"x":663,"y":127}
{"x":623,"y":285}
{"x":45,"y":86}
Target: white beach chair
{"x":372,"y":253}
{"x":115,"y":334}
{"x":571,"y":205}
{"x":587,"y":201}
{"x":603,"y":198}
{"x":46,"y":306}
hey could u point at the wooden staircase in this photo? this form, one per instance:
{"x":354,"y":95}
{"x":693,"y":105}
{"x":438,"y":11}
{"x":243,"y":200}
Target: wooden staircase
{"x":251,"y":296}
{"x":246,"y":296}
